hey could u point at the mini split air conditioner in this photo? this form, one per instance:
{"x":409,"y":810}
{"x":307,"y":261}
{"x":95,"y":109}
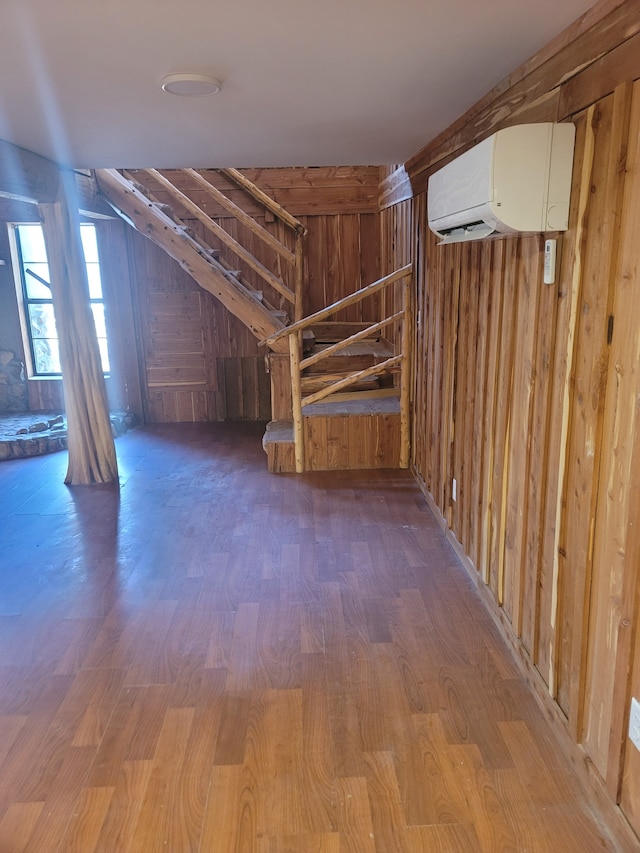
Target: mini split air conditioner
{"x":517,"y":180}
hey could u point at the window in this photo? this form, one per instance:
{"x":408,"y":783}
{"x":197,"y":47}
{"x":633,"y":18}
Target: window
{"x":38,"y":317}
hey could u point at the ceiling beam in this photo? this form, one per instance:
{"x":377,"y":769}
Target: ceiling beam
{"x":25,"y":176}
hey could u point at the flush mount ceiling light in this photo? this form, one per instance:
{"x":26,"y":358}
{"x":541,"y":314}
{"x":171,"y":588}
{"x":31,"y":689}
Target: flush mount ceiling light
{"x":191,"y":85}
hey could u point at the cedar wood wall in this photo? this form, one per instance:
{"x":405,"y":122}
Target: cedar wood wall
{"x":177,"y":354}
{"x":527,"y":394}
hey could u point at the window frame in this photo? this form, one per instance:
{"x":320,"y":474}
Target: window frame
{"x":24,"y":300}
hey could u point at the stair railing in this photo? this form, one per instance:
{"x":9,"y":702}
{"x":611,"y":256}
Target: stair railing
{"x":290,"y":221}
{"x":159,"y":224}
{"x":401,"y":359}
{"x":294,"y":258}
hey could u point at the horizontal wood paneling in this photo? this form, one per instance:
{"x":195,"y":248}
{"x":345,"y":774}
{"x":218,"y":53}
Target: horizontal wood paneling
{"x":342,"y":245}
{"x":317,"y":191}
{"x":526,"y":395}
{"x":199,"y":362}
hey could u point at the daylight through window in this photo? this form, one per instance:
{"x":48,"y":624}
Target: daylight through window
{"x":37,"y":304}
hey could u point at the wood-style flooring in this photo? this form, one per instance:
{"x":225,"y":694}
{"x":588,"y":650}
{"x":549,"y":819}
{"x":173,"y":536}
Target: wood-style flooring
{"x":218,"y":659}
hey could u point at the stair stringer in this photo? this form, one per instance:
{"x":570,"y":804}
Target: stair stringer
{"x":149,"y":219}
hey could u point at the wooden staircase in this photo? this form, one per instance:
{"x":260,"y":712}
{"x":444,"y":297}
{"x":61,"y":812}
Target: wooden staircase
{"x":135,"y":202}
{"x":354,"y":411}
{"x":358,"y":428}
{"x":340,"y":391}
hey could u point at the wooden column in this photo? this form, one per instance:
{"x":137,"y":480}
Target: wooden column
{"x":92,"y":456}
{"x":279,"y":370}
{"x":296,"y":393}
{"x":299,"y":306}
{"x":405,"y":374}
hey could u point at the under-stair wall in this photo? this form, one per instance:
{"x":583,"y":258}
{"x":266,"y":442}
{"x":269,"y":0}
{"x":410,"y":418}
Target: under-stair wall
{"x":198,"y":362}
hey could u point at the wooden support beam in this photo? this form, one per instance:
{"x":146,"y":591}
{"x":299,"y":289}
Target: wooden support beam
{"x":25,"y":176}
{"x":296,"y":393}
{"x":90,"y":201}
{"x":405,"y":376}
{"x":92,"y":457}
{"x":299,"y":306}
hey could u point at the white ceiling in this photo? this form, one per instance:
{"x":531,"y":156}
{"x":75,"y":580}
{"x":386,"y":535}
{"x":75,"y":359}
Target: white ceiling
{"x":305,"y":82}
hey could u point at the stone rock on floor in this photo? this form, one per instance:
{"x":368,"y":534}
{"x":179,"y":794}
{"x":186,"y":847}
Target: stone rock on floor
{"x":38,"y":433}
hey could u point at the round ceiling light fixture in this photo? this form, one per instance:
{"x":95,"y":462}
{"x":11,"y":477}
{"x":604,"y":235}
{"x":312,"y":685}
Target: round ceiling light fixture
{"x":191,"y":85}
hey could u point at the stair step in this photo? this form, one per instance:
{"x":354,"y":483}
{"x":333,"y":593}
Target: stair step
{"x":142,"y":189}
{"x":208,"y":252}
{"x":278,"y":431}
{"x":317,"y":381}
{"x":278,"y":444}
{"x":345,"y":405}
{"x":331,"y":332}
{"x":353,"y":357}
{"x":308,"y":341}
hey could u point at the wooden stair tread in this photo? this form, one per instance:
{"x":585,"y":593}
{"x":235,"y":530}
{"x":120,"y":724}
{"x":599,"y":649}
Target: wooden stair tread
{"x":352,"y":357}
{"x":278,"y":431}
{"x":375,"y":348}
{"x":317,"y":381}
{"x":331,"y":332}
{"x":356,"y":404}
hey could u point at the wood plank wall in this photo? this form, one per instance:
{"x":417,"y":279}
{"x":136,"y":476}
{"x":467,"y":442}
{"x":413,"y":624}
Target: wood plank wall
{"x":338,"y":206}
{"x":526,"y":394}
{"x":199,"y":362}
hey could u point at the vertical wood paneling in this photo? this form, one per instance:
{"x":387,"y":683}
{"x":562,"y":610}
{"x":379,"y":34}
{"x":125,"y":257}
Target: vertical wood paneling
{"x":539,"y":473}
{"x":527,"y":395}
{"x":494,"y":324}
{"x":610,"y":611}
{"x":529,"y":281}
{"x":504,"y":383}
{"x":476,"y":498}
{"x":471,"y":460}
{"x":602,"y":154}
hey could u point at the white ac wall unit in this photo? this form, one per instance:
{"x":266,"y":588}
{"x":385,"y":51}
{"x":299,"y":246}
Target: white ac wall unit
{"x":517,"y":180}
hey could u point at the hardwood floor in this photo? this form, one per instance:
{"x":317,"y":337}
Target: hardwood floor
{"x":223,"y":660}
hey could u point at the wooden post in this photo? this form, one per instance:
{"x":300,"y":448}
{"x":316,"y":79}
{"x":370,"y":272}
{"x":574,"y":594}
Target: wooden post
{"x":296,"y":392}
{"x":405,"y":374}
{"x":92,"y":456}
{"x":279,"y":370}
{"x":298,"y":305}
